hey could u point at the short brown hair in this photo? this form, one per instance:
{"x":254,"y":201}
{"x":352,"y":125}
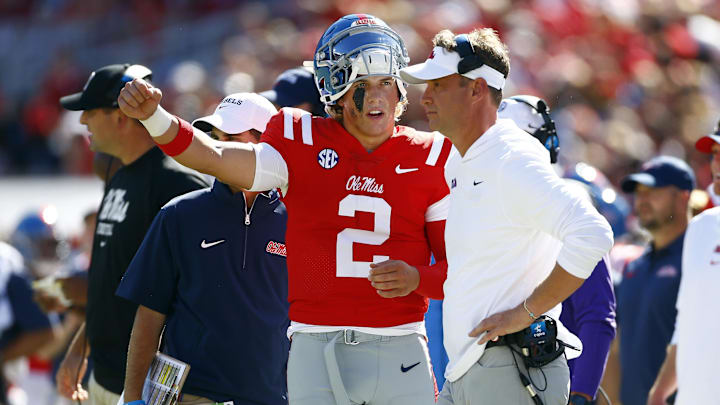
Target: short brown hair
{"x":487,"y":42}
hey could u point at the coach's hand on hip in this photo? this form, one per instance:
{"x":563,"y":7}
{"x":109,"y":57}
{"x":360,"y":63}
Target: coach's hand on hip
{"x":501,"y":324}
{"x":393,"y":278}
{"x":139,"y":99}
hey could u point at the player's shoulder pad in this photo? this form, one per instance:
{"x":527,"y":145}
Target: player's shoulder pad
{"x":294,"y":124}
{"x":435,"y":144}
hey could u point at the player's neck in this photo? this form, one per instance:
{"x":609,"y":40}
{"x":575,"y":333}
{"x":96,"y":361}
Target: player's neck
{"x":369,"y":141}
{"x":373,"y":142}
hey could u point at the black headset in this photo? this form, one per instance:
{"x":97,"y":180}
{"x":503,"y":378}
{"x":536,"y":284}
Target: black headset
{"x":469,"y":60}
{"x":546,"y":134}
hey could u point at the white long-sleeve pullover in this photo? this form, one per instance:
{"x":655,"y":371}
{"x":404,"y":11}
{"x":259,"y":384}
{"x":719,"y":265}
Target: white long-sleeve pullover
{"x":511,"y":219}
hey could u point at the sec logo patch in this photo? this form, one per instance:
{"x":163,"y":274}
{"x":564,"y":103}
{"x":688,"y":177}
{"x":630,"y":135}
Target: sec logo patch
{"x":327,"y":158}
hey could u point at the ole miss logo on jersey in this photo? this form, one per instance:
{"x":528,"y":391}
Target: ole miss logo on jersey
{"x":276,"y":248}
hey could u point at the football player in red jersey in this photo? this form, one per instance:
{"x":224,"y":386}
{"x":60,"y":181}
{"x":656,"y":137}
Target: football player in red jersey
{"x":366,"y":201}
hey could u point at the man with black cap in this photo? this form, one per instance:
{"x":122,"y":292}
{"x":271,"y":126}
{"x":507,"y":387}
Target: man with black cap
{"x":296,"y":88}
{"x":146,"y":181}
{"x":647,"y":294}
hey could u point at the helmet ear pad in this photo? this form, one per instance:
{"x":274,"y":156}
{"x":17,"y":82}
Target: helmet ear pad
{"x":356,"y":45}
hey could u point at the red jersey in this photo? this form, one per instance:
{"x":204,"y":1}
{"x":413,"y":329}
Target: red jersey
{"x":348,"y":208}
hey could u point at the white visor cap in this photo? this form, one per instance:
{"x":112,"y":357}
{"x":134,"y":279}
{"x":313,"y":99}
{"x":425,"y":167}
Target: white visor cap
{"x":238,"y":113}
{"x":524,"y":116}
{"x":441,"y":63}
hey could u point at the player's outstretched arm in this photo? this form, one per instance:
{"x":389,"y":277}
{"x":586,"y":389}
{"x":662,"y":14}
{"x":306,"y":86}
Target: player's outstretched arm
{"x":231,"y":162}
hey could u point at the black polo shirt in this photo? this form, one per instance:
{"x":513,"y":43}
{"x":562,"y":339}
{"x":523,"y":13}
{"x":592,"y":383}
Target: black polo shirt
{"x":132,"y":198}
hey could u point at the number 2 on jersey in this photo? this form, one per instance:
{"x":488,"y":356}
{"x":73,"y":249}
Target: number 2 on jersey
{"x":346,"y":267}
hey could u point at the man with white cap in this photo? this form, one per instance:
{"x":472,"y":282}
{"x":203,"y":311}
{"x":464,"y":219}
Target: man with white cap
{"x":710,"y":144}
{"x":212,"y":271}
{"x":509,"y":213}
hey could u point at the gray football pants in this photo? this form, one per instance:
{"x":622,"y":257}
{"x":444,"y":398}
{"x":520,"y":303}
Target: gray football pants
{"x":494,"y":380}
{"x":350,"y":368}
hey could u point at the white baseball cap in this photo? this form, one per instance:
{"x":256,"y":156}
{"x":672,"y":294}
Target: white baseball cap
{"x":238,"y":113}
{"x":524,"y":116}
{"x":443,"y":62}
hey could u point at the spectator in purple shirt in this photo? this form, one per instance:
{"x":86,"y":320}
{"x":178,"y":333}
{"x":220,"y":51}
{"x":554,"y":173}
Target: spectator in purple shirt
{"x":589,"y":312}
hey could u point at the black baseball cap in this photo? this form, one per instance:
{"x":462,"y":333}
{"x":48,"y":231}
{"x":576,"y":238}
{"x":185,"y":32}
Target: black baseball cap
{"x":293,"y":87}
{"x":103,"y":87}
{"x":661,"y":171}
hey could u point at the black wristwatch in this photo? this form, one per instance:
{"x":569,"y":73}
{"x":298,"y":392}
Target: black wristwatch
{"x":579,"y":400}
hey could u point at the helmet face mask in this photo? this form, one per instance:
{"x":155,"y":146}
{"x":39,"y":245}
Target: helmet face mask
{"x":353,"y":47}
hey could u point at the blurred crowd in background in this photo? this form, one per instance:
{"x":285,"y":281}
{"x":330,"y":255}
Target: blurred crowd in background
{"x":626,"y":79}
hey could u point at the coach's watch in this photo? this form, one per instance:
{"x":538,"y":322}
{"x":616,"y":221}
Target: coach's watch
{"x":579,"y":399}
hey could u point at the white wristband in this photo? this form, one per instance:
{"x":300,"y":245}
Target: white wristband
{"x":158,"y":123}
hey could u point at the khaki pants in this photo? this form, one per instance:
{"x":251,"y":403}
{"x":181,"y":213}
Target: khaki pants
{"x":99,"y":395}
{"x":494,"y":380}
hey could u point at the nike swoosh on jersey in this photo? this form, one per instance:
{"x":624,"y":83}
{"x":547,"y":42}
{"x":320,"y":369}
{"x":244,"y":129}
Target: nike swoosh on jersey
{"x":398,"y":170}
{"x":206,"y":245}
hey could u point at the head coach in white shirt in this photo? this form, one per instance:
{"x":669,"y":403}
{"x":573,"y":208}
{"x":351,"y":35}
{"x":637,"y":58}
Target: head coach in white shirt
{"x":519,"y":241}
